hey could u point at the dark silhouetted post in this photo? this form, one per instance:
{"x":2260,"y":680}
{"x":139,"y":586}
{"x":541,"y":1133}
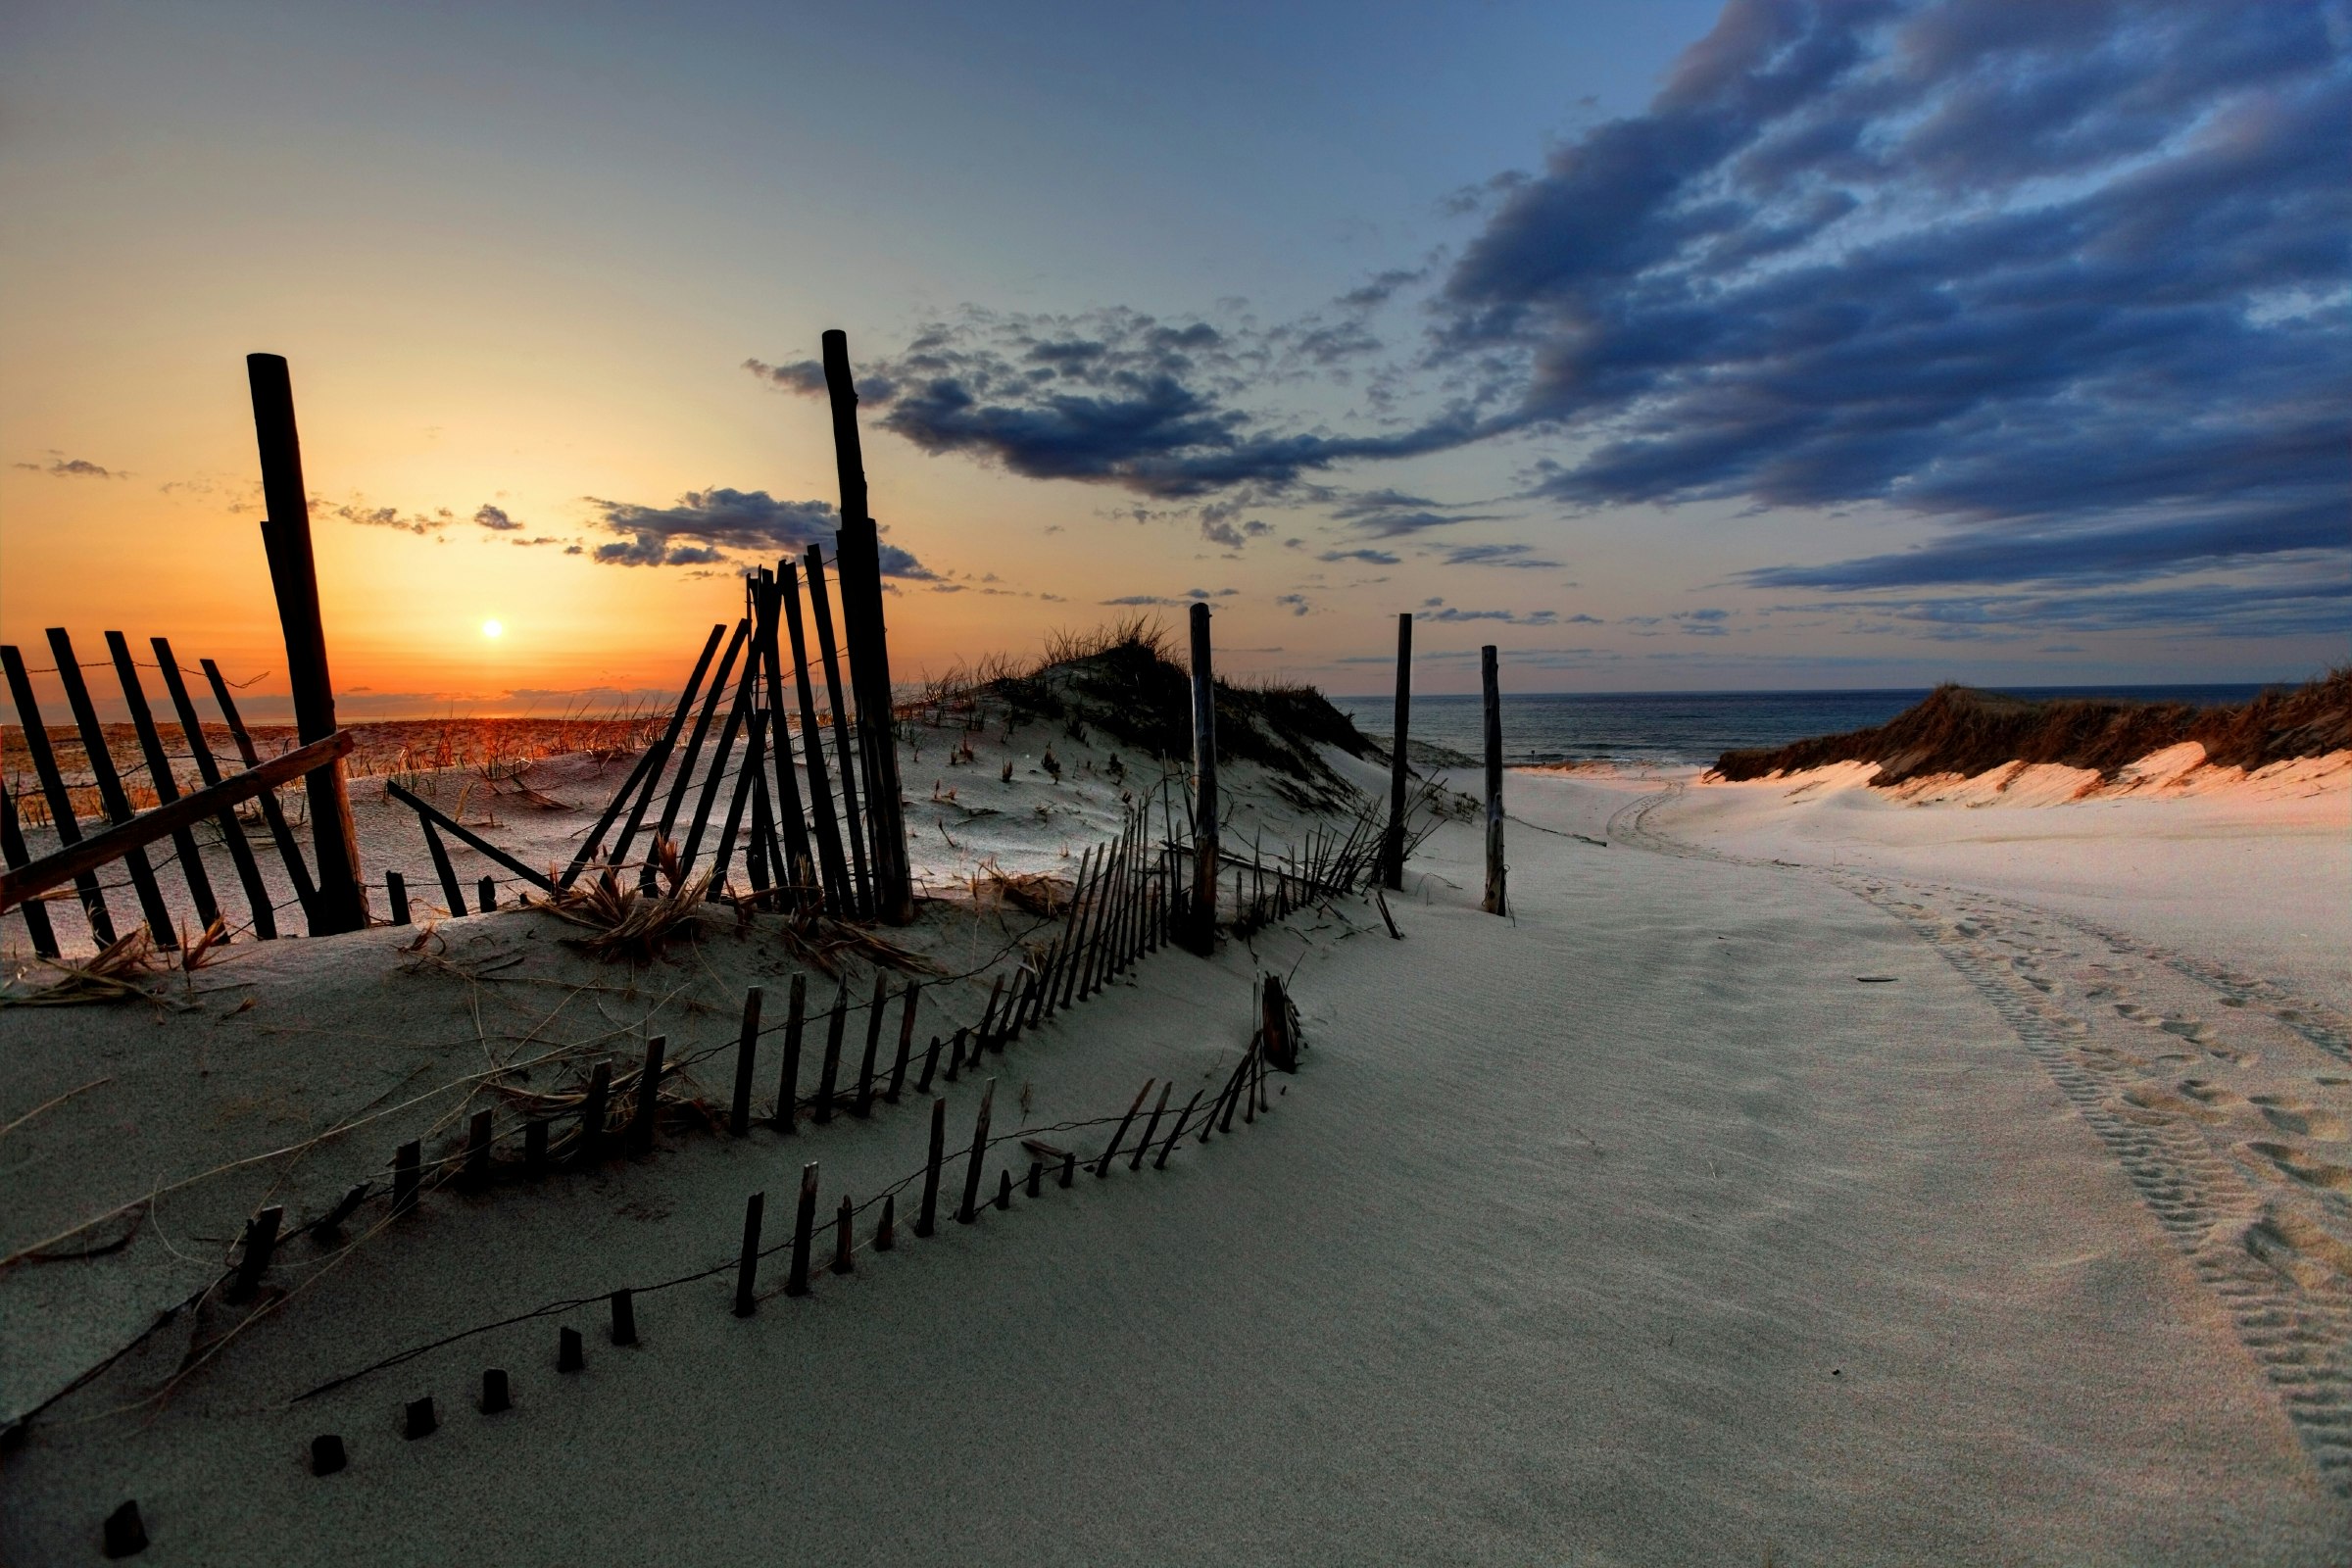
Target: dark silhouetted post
{"x":924,"y":1218}
{"x":341,"y":902}
{"x":857,"y":553}
{"x":746,"y":1046}
{"x":788,"y":1085}
{"x":971,"y":1171}
{"x":1391,"y":868}
{"x":746,"y":1267}
{"x":1203,"y":935}
{"x":804,"y":1229}
{"x":648,"y":1096}
{"x":1496,"y":901}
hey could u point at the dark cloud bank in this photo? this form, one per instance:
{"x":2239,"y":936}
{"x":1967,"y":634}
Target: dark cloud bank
{"x":2068,"y":279}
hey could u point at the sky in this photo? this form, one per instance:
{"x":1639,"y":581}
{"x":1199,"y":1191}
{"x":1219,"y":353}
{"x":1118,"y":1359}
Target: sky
{"x":1668,"y":346}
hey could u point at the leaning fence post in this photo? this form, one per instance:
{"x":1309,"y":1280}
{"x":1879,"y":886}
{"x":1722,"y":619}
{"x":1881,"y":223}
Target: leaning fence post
{"x":1392,"y":855}
{"x":1161,"y":1163}
{"x":897,"y":1066}
{"x":342,"y":901}
{"x":971,"y":1172}
{"x":803,"y":1227}
{"x":747,"y":1266}
{"x":648,"y":1096}
{"x":864,"y":1106}
{"x":1496,"y":901}
{"x":858,"y":563}
{"x":592,"y":1114}
{"x":1203,"y":937}
{"x":1152,"y":1128}
{"x":788,"y":1086}
{"x":746,"y":1046}
{"x":407,"y":1173}
{"x":1103,"y":1165}
{"x":396,"y":892}
{"x":477,"y":1150}
{"x":828,"y":1077}
{"x":938,"y":1143}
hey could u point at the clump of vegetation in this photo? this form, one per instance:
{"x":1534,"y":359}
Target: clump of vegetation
{"x":1960,"y":730}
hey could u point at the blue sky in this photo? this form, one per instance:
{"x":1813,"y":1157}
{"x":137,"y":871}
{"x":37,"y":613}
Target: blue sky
{"x":1667,"y":346}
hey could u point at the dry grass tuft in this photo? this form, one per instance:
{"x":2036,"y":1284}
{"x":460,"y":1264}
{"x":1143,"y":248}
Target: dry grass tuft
{"x":118,"y":972}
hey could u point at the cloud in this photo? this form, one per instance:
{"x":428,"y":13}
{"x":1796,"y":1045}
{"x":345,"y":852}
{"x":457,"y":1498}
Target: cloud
{"x":1192,"y":596}
{"x":706,"y":525}
{"x":2067,"y":279}
{"x":1122,"y":398}
{"x":1295,"y":603}
{"x":1391,"y":513}
{"x":495,"y":518}
{"x":61,"y":466}
{"x":1375,"y":558}
{"x":2318,"y":605}
{"x":1513,"y":617}
{"x":1495,"y":556}
{"x":358,"y":512}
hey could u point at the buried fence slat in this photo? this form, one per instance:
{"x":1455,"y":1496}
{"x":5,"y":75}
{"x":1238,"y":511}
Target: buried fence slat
{"x":476,"y":1170}
{"x":637,"y":791}
{"x":738,"y":714}
{"x":886,"y":1230}
{"x":803,"y":1227}
{"x":572,"y":1354}
{"x":1069,"y":936}
{"x":396,"y":893}
{"x":36,"y":731}
{"x":407,"y":1172}
{"x":829,"y":862}
{"x":897,"y":1064}
{"x":592,"y":1115}
{"x":1003,"y":1189}
{"x":747,"y":1049}
{"x":747,"y":1266}
{"x":1152,"y":1128}
{"x":1036,"y":1176}
{"x":1182,"y":1116}
{"x":497,"y":1397}
{"x":737,"y":799}
{"x":841,"y":1236}
{"x":679,"y":781}
{"x":485,"y":894}
{"x":109,"y":786}
{"x":988,"y":1019}
{"x":534,"y":1146}
{"x":261,"y":1241}
{"x":830,"y":1076}
{"x":281,"y":832}
{"x":207,"y":768}
{"x":451,"y":895}
{"x":864,"y":1106}
{"x":969,"y":1211}
{"x":158,"y":775}
{"x":820,"y":607}
{"x":12,"y":849}
{"x":1103,"y":1165}
{"x":955,"y":1051}
{"x":648,"y":1096}
{"x":794,"y":848}
{"x":788,"y":1083}
{"x":624,"y":1316}
{"x":922,"y":1085}
{"x":1203,"y":937}
{"x":433,"y":815}
{"x":1391,"y":844}
{"x":926,"y":1216}
{"x":330,"y":1224}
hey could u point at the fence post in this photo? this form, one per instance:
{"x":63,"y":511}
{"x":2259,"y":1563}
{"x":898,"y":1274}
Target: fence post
{"x":1392,"y":857}
{"x":341,"y":903}
{"x":857,"y":560}
{"x":1203,"y":937}
{"x":1496,"y":901}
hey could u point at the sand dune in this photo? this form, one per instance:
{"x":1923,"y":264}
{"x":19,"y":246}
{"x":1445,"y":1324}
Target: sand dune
{"x":1711,"y":1209}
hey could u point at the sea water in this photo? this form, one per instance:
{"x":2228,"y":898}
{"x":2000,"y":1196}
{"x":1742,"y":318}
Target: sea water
{"x":1689,"y":728}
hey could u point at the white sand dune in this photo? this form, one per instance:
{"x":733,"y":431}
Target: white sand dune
{"x":1636,"y":1228}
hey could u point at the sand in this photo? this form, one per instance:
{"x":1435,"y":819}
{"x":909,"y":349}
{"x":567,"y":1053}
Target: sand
{"x":1636,"y":1228}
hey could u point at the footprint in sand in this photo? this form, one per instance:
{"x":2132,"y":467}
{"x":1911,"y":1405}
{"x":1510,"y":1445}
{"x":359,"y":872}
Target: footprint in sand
{"x":2154,"y":1100}
{"x":2212,"y":1094}
{"x":2300,"y":1118}
{"x":2299,"y":1164}
{"x":2131,"y":1009}
{"x":2186,"y":1028}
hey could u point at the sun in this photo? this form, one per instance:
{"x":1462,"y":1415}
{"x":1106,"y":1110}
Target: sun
{"x":493,"y":630}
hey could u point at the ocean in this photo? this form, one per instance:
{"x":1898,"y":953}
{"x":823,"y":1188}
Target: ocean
{"x":1683,"y":729}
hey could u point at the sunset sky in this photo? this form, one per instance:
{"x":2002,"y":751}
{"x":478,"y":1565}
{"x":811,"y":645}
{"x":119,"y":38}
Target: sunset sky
{"x":1670,"y":346}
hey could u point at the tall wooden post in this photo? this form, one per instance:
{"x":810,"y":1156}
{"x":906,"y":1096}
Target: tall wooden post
{"x":858,"y":558}
{"x":1203,"y":935}
{"x":1392,"y":850}
{"x":340,"y":902}
{"x":1496,"y":902}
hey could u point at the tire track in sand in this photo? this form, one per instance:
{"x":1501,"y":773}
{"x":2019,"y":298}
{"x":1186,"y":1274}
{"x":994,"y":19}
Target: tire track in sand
{"x":2222,"y":1096}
